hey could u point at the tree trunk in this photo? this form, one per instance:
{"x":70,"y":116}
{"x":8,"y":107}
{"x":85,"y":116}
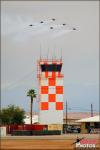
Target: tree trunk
{"x":31,"y":110}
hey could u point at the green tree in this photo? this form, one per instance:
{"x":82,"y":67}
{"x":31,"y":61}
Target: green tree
{"x":12,"y":115}
{"x":32,"y":94}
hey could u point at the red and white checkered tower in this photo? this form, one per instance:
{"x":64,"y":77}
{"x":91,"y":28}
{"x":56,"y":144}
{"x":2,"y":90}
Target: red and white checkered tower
{"x":51,"y":91}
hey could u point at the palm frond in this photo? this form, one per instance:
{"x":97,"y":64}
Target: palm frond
{"x":31,"y":93}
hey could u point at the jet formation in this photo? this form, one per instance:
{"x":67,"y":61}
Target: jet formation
{"x":52,"y":27}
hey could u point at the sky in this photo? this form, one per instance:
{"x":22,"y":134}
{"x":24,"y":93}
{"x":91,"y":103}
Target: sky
{"x":21,"y":46}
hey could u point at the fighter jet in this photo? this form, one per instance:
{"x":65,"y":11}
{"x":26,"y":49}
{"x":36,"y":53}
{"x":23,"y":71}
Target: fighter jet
{"x":51,"y":27}
{"x":53,"y":19}
{"x":31,"y":25}
{"x":74,"y":28}
{"x":41,"y":22}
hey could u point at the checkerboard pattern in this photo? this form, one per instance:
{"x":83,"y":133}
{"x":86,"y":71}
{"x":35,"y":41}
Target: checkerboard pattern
{"x":51,"y":92}
{"x":51,"y":74}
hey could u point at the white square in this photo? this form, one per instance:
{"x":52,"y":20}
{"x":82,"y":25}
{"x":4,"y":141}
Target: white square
{"x":44,"y":82}
{"x":51,"y":90}
{"x":52,"y":106}
{"x":59,"y":82}
{"x":42,"y":74}
{"x":50,"y":74}
{"x":44,"y":97}
{"x":59,"y":97}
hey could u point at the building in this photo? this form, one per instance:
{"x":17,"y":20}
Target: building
{"x":90,"y":124}
{"x":73,"y":117}
{"x":50,"y":91}
{"x":34,"y":119}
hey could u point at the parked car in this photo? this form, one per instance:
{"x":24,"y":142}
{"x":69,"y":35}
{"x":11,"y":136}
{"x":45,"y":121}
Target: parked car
{"x":71,"y":129}
{"x":75,"y":130}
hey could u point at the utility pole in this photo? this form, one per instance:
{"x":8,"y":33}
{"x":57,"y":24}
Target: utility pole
{"x":66,"y":113}
{"x":91,"y":110}
{"x":66,"y":125}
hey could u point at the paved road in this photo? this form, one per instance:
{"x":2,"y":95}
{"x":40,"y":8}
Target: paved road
{"x":64,"y":136}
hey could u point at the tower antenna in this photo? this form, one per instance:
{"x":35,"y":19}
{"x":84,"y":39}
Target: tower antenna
{"x":61,"y":53}
{"x":48,"y":53}
{"x":40,"y":51}
{"x":54,"y":51}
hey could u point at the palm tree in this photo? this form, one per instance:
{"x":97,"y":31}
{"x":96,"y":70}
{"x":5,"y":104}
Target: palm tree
{"x":31,"y":93}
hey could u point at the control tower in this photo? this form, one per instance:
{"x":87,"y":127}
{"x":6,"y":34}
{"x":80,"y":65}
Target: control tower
{"x":50,"y":91}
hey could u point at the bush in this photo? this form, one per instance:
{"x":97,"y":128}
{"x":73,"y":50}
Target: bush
{"x":12,"y":115}
{"x":46,"y":132}
{"x":21,"y":132}
{"x":43,"y":132}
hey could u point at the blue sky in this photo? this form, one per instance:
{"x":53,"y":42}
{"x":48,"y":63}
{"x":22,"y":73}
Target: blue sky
{"x":20,"y":50}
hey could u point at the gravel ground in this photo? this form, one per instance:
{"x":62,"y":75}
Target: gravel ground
{"x":62,"y":142}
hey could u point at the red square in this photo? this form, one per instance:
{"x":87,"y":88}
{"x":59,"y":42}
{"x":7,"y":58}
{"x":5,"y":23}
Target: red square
{"x":46,"y":74}
{"x":44,"y":89}
{"x":53,"y":74}
{"x":59,"y":89}
{"x":44,"y":105}
{"x":52,"y":97}
{"x":51,"y":82}
{"x":59,"y":105}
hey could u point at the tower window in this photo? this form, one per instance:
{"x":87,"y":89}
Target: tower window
{"x":51,"y":67}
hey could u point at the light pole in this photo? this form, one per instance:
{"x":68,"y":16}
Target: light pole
{"x":91,"y":110}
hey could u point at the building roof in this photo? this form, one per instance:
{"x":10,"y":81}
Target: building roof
{"x":90,"y":119}
{"x":79,"y":115}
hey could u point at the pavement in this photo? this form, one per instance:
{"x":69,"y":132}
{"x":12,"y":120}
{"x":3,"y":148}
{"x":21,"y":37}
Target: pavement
{"x":57,"y":137}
